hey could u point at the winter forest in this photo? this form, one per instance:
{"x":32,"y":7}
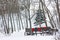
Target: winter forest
{"x":29,"y":19}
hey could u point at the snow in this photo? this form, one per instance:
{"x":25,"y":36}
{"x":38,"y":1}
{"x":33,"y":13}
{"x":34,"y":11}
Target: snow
{"x":20,"y":36}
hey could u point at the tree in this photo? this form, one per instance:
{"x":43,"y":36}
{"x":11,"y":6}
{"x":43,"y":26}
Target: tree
{"x":39,"y":18}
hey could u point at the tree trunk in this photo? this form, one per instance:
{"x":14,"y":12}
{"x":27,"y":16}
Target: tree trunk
{"x":57,"y":7}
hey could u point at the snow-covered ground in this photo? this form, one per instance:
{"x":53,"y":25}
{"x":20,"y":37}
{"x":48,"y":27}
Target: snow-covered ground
{"x":20,"y":36}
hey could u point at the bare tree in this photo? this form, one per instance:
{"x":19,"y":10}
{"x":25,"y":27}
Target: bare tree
{"x":57,"y":7}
